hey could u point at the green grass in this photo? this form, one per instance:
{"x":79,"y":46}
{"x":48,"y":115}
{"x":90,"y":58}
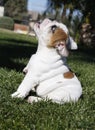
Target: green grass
{"x":17,"y":114}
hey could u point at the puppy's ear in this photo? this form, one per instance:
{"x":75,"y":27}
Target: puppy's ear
{"x":71,"y":44}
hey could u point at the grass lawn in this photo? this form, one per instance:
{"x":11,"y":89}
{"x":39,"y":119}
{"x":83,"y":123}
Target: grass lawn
{"x":17,"y":114}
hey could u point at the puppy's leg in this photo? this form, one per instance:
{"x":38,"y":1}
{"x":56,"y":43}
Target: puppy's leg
{"x":27,"y":84}
{"x":68,"y":93}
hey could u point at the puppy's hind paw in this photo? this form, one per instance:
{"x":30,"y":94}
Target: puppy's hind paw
{"x":25,"y":70}
{"x":32,"y":99}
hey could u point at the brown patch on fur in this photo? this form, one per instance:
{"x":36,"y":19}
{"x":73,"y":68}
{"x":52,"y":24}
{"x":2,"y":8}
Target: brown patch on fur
{"x":68,"y":75}
{"x":58,"y":35}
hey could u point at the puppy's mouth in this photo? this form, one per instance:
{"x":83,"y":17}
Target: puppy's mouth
{"x":60,"y":45}
{"x":61,"y":48}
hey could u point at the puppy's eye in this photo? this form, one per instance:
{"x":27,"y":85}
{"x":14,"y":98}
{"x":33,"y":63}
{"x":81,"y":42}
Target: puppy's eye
{"x":53,"y":28}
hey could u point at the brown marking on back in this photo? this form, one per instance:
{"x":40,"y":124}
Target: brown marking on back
{"x":58,"y":35}
{"x":68,"y":75}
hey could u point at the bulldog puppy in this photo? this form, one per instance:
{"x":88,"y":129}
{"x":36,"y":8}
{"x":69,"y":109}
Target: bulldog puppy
{"x":47,"y":72}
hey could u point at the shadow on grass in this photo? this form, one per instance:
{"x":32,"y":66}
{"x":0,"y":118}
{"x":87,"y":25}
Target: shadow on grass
{"x":16,"y":41}
{"x":84,"y":54}
{"x":15,"y":49}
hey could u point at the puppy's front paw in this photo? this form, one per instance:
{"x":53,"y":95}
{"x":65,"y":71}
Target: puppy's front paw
{"x":18,"y":95}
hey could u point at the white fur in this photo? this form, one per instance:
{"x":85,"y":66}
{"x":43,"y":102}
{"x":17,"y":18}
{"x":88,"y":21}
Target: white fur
{"x":46,"y":69}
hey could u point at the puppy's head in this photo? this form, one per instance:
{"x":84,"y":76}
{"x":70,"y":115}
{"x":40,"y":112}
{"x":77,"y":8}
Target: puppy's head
{"x":53,"y":34}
